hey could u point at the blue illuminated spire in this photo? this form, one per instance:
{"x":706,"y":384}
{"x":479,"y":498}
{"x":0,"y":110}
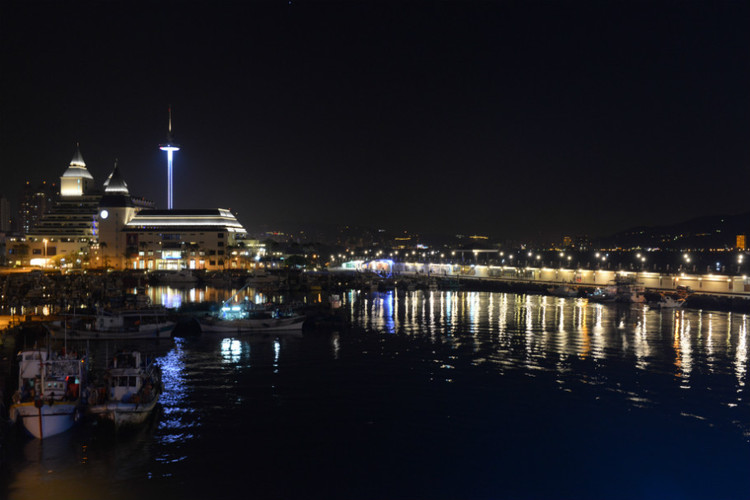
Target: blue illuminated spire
{"x":170,"y":147}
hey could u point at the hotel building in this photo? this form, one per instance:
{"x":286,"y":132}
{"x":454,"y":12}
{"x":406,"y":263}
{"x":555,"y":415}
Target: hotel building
{"x":115,"y":230}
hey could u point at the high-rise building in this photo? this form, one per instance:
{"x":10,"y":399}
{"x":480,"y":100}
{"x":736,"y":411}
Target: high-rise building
{"x":5,"y":218}
{"x":34,"y":203}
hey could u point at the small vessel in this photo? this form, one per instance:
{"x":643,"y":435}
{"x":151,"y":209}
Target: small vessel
{"x":249,"y":318}
{"x":130,"y":392}
{"x":608,"y":294}
{"x":124,"y":324}
{"x":48,"y":398}
{"x":629,"y":291}
{"x":239,"y":319}
{"x":668,"y":302}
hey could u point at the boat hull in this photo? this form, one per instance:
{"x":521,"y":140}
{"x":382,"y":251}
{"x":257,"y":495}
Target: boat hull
{"x":155,"y":331}
{"x":56,"y":418}
{"x":213,"y":325}
{"x":123,"y":414}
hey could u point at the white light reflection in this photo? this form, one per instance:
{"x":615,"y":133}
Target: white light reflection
{"x":276,"y":354}
{"x":335,"y":344}
{"x":641,"y":346}
{"x":597,"y":342}
{"x":683,"y":359}
{"x":231,"y":349}
{"x":173,"y":426}
{"x":740,"y":360}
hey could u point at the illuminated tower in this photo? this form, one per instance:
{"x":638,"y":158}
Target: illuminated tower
{"x":170,"y":147}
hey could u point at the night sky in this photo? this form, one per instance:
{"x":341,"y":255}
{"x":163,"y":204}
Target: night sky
{"x":517,"y":119}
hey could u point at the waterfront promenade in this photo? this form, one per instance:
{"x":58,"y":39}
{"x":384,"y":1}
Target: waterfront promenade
{"x":709,"y":284}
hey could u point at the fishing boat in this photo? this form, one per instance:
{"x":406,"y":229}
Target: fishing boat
{"x":129,"y":392}
{"x":629,"y":290}
{"x":247,"y":317}
{"x":238,"y":319}
{"x":607,"y":294}
{"x":48,"y":398}
{"x":124,"y":324}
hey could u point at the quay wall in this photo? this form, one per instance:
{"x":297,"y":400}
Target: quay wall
{"x":720,"y":284}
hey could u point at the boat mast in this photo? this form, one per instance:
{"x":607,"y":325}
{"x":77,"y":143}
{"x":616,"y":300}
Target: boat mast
{"x":234,"y":295}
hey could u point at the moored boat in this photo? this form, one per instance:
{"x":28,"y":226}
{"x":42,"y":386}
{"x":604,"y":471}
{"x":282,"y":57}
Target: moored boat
{"x":125,"y":324}
{"x":668,"y":302}
{"x":131,"y":390}
{"x":246,"y":317}
{"x":48,"y":398}
{"x":252,"y":322}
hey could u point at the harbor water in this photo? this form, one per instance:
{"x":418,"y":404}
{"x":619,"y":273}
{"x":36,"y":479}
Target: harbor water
{"x":429,"y":395}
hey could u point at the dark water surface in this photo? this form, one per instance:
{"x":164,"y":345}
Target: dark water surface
{"x":442,"y":395}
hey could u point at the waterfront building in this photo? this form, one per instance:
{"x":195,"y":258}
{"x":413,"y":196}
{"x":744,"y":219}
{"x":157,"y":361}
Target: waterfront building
{"x":185,"y":238}
{"x":88,"y":227}
{"x":68,"y":234}
{"x":116,"y":208}
{"x":68,"y":228}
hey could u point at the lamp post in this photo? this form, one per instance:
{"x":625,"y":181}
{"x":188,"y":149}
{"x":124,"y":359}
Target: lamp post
{"x":45,"y":252}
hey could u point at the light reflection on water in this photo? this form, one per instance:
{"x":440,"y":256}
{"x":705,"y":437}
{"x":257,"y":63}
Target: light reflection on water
{"x":511,"y":384}
{"x":534,"y":333}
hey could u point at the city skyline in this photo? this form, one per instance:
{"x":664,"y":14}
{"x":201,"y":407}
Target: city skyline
{"x":522,"y":120}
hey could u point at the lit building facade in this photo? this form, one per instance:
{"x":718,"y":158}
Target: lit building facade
{"x":34,"y":203}
{"x":183,"y":239}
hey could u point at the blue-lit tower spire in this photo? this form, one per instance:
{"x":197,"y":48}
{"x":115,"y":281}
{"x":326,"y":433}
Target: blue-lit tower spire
{"x":170,"y":147}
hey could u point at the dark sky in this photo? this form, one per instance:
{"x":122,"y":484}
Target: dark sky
{"x":517,"y":119}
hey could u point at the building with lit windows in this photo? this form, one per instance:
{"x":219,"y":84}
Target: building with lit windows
{"x":67,"y":234}
{"x":184,"y":238}
{"x":112,"y":229}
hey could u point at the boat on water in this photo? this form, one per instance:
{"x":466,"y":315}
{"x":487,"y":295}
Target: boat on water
{"x":248,"y":317}
{"x":129,"y":390}
{"x":668,"y":302}
{"x":250,"y":320}
{"x":629,"y":291}
{"x":123,"y":324}
{"x":607,"y":294}
{"x":48,"y":399}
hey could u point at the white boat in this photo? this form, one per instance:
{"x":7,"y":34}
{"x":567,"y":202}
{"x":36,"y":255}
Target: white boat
{"x":252,"y":322}
{"x":608,"y":294}
{"x":133,"y":386}
{"x":125,"y":324}
{"x":629,"y":291}
{"x":668,"y":302}
{"x":246,"y":317}
{"x":48,"y":398}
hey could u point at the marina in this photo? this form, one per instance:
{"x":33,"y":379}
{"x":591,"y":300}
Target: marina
{"x":375,"y":250}
{"x":511,"y":383}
